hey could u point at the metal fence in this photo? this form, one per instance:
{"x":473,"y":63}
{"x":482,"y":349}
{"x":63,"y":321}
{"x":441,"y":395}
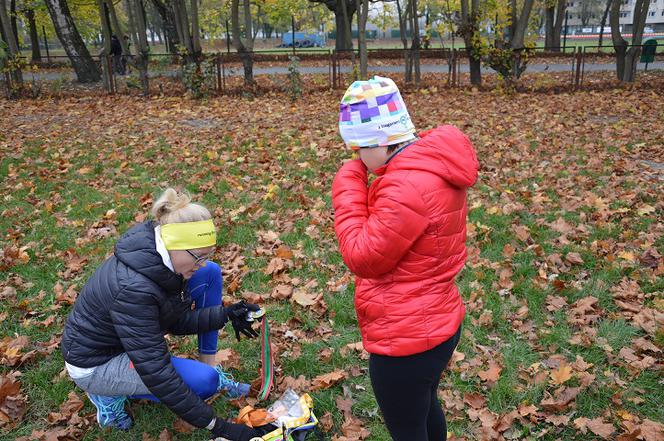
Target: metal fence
{"x":221,"y":73}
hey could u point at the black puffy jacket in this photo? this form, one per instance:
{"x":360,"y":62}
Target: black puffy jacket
{"x":128,"y":305}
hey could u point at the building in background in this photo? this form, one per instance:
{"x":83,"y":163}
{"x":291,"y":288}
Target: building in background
{"x":585,"y":16}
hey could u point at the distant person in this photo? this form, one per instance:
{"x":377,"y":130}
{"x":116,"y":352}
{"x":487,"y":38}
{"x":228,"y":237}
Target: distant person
{"x":127,"y":56}
{"x":116,"y":53}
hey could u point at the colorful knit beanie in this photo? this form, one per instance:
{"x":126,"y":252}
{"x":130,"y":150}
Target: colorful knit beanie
{"x":373,"y":114}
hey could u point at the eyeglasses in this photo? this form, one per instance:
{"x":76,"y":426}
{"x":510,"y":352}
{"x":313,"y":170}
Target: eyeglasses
{"x":198,"y":260}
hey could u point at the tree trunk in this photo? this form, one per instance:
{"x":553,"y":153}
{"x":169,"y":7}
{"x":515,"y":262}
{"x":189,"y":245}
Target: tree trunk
{"x":12,"y":18}
{"x":632,"y":56}
{"x":517,"y":39}
{"x":115,"y":26}
{"x":549,"y":13}
{"x":404,"y":15}
{"x":603,"y":23}
{"x":140,"y":39}
{"x":346,"y":14}
{"x":619,"y":43}
{"x":84,"y":65}
{"x":195,"y":30}
{"x":168,"y":25}
{"x":558,"y":24}
{"x":362,"y":15}
{"x":469,"y":26}
{"x":415,"y":47}
{"x":14,"y":53}
{"x":34,"y":35}
{"x":244,"y":46}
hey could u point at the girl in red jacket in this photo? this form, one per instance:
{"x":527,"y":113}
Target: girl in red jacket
{"x":404,"y":238}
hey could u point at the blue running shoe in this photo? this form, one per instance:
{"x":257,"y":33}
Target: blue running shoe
{"x":233,"y":388}
{"x":111,"y":411}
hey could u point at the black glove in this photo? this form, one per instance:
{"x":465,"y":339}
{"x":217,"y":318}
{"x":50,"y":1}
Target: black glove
{"x":237,"y":314}
{"x":234,"y":432}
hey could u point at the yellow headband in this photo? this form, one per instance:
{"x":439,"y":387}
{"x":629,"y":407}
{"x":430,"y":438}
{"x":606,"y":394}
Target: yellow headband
{"x":189,"y":235}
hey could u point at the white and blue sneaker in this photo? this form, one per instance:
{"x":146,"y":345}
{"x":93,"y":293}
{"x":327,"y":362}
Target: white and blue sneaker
{"x":111,"y":411}
{"x":233,"y":388}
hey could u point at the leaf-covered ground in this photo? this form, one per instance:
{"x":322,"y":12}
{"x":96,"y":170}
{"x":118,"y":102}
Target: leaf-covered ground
{"x":563,"y":337}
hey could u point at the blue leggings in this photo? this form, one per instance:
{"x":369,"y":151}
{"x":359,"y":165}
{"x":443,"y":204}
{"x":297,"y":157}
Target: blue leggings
{"x":205,"y":288}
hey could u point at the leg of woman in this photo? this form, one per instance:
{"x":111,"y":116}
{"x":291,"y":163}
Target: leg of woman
{"x":406,"y":391}
{"x":205,"y":288}
{"x":118,"y":377}
{"x":402,"y":394}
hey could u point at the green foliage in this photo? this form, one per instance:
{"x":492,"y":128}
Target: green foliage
{"x":199,"y":78}
{"x":294,"y":85}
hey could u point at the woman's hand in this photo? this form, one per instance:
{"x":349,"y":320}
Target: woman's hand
{"x":237,"y":314}
{"x":234,"y":432}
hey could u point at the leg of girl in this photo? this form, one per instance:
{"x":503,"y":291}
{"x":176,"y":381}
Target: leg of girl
{"x":205,"y":288}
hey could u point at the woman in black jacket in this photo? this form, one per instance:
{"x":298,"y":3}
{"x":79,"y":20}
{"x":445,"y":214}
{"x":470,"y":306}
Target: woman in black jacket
{"x":157,"y":281}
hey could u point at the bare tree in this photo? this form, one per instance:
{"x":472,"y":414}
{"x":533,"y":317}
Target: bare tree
{"x":65,"y":28}
{"x":627,"y":59}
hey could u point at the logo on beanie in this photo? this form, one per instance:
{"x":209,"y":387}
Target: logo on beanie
{"x":403,"y":120}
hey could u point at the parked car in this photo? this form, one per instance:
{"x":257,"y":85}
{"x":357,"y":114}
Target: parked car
{"x":302,"y":39}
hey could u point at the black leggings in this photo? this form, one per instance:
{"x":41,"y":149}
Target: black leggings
{"x":406,"y":390}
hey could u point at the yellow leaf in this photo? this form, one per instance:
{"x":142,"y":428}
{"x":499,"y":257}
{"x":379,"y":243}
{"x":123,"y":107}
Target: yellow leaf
{"x":646,"y":209}
{"x":562,"y":374}
{"x":627,"y":255}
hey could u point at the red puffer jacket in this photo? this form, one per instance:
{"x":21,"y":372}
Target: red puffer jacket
{"x":404,"y":238}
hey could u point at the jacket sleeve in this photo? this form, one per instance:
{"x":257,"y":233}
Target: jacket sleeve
{"x":135,"y":316}
{"x":200,"y":320}
{"x":372,"y":244}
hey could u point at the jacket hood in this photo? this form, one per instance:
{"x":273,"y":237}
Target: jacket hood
{"x":137,"y":249}
{"x":444,"y":151}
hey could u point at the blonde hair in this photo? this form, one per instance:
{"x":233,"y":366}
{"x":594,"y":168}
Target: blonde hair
{"x":174,"y":207}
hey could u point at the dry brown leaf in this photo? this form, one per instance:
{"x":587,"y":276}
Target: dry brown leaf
{"x":596,"y":426}
{"x":492,"y":374}
{"x":326,"y":381}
